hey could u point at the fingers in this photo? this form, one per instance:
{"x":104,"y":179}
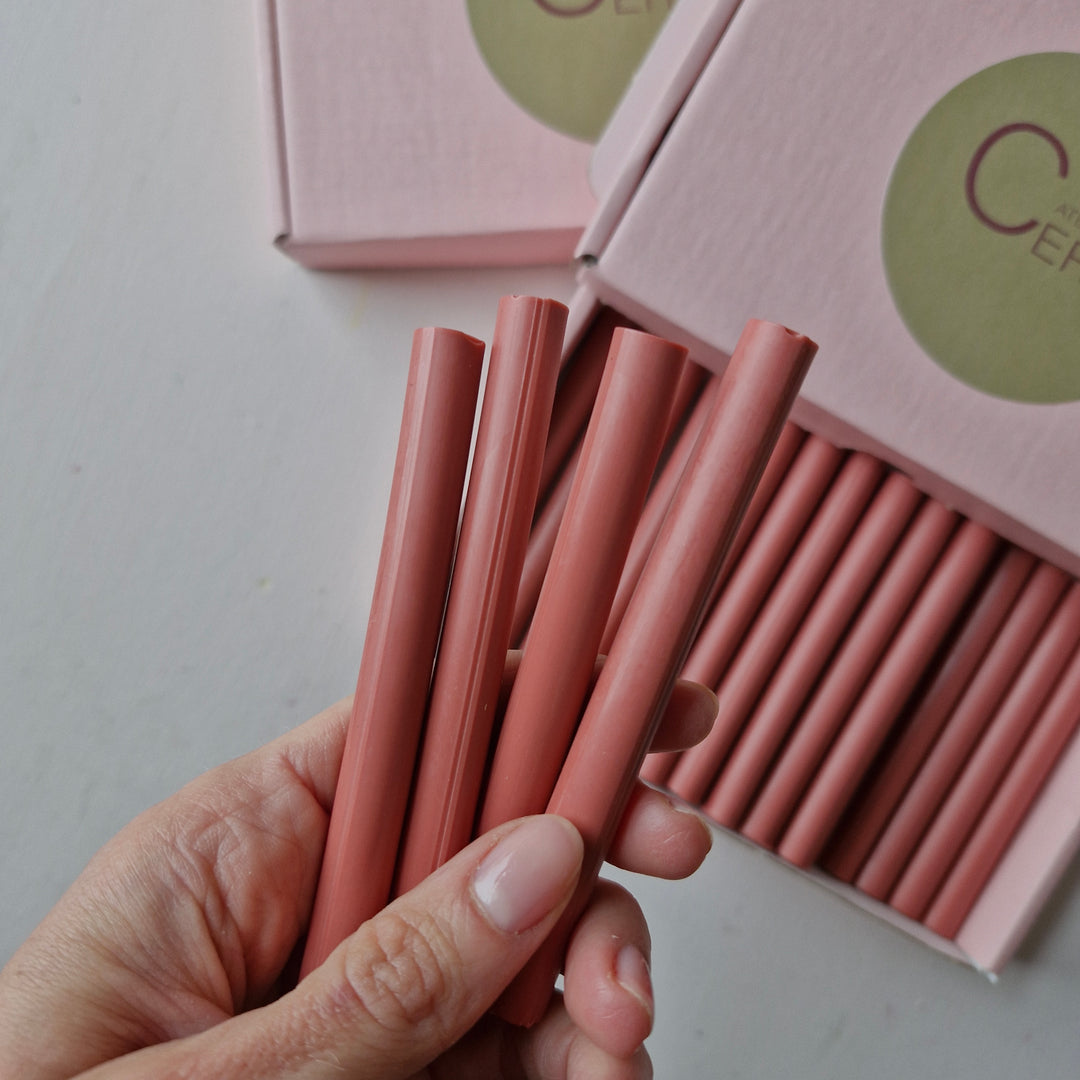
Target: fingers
{"x":411,"y":981}
{"x":688,"y":718}
{"x":607,"y":985}
{"x":659,"y":836}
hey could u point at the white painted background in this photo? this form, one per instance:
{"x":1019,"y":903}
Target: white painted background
{"x":196,"y":440}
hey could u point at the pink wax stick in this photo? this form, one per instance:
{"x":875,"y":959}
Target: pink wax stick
{"x":620,"y":719}
{"x":575,"y":394}
{"x":749,"y":582}
{"x":849,"y":671}
{"x":963,"y":727}
{"x":692,"y":382}
{"x":656,"y":507}
{"x":402,"y":634}
{"x":867,"y":817}
{"x":1044,"y":744}
{"x":658,"y":767}
{"x":972,"y":791}
{"x":499,"y":505}
{"x":807,"y":656}
{"x":933,"y":614}
{"x":621,"y":447}
{"x":541,"y":544}
{"x":760,"y":649}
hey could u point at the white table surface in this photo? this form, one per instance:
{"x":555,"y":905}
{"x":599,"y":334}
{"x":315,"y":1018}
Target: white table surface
{"x":196,"y":441}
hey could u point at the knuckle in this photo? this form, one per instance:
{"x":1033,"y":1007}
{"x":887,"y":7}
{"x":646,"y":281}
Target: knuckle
{"x":398,"y":973}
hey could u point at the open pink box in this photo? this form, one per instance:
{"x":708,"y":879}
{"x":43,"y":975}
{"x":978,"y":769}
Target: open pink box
{"x":392,"y":143}
{"x":745,"y":175}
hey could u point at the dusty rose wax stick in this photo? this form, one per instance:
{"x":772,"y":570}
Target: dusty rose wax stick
{"x":658,"y":767}
{"x":620,"y":718}
{"x":542,"y":537}
{"x":1009,"y":805}
{"x":970,"y":794}
{"x":965,"y":724}
{"x":514,"y":416}
{"x":866,"y":819}
{"x":656,"y":507}
{"x":909,"y":654}
{"x":849,"y":671}
{"x":402,"y":633}
{"x":622,"y":444}
{"x":769,"y":634}
{"x":575,"y":393}
{"x":832,"y":612}
{"x":798,"y":497}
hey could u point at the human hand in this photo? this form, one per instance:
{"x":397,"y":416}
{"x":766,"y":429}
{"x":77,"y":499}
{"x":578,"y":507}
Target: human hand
{"x":169,"y":954}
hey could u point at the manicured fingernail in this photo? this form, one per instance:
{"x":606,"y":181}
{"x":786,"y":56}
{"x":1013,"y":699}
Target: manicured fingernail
{"x":528,"y":873}
{"x":632,"y":974}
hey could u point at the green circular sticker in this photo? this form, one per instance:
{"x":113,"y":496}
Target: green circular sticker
{"x":567,"y":62}
{"x":981,"y":230}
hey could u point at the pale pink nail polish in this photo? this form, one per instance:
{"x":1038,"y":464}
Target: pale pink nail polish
{"x":528,"y":873}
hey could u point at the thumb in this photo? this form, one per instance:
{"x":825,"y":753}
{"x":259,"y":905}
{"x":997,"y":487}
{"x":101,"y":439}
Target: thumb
{"x":411,"y":981}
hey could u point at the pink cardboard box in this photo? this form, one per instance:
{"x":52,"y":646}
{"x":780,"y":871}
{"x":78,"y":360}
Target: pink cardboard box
{"x":395,"y":142}
{"x":902,"y":183}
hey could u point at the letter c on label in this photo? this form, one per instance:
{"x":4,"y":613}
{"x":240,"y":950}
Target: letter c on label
{"x":977,"y":159}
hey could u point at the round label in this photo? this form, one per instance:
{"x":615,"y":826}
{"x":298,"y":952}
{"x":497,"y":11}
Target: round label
{"x":981,"y":230}
{"x":567,"y":62}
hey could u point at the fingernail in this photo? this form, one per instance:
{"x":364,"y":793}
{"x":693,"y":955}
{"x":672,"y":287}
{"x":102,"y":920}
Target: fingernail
{"x":684,"y":808}
{"x":528,"y":873}
{"x":632,"y":974}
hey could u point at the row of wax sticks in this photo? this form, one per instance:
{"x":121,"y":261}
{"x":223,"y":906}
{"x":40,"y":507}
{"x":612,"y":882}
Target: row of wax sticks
{"x":895,"y":681}
{"x":446,"y":739}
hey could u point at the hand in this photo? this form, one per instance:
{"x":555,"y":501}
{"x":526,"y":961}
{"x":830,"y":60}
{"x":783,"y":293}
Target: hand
{"x":169,"y":954}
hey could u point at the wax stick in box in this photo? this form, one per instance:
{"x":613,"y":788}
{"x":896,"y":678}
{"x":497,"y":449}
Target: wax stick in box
{"x":621,"y":448}
{"x":402,"y":634}
{"x":963,"y":728}
{"x":848,"y":672}
{"x":522,"y":371}
{"x":620,"y":718}
{"x":935,"y":611}
{"x":958,"y":815}
{"x":867,"y":817}
{"x":810,"y":651}
{"x":1041,"y":750}
{"x":747,"y":587}
{"x":763,"y":645}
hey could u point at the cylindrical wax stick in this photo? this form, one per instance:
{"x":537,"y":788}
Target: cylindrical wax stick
{"x":963,"y":727}
{"x":620,"y":719}
{"x":657,"y":767}
{"x":778,"y":532}
{"x":954,"y":822}
{"x":575,"y":393}
{"x":538,"y":553}
{"x":866,"y":819}
{"x":622,"y":444}
{"x":656,"y":507}
{"x":806,"y":657}
{"x":849,"y":671}
{"x":770,"y":633}
{"x":1047,"y":739}
{"x":909,"y":655}
{"x":691,"y":383}
{"x":514,"y":415}
{"x":402,"y":634}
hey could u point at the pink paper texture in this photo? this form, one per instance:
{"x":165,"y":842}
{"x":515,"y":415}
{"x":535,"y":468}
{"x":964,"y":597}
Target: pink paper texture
{"x":392,"y":143}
